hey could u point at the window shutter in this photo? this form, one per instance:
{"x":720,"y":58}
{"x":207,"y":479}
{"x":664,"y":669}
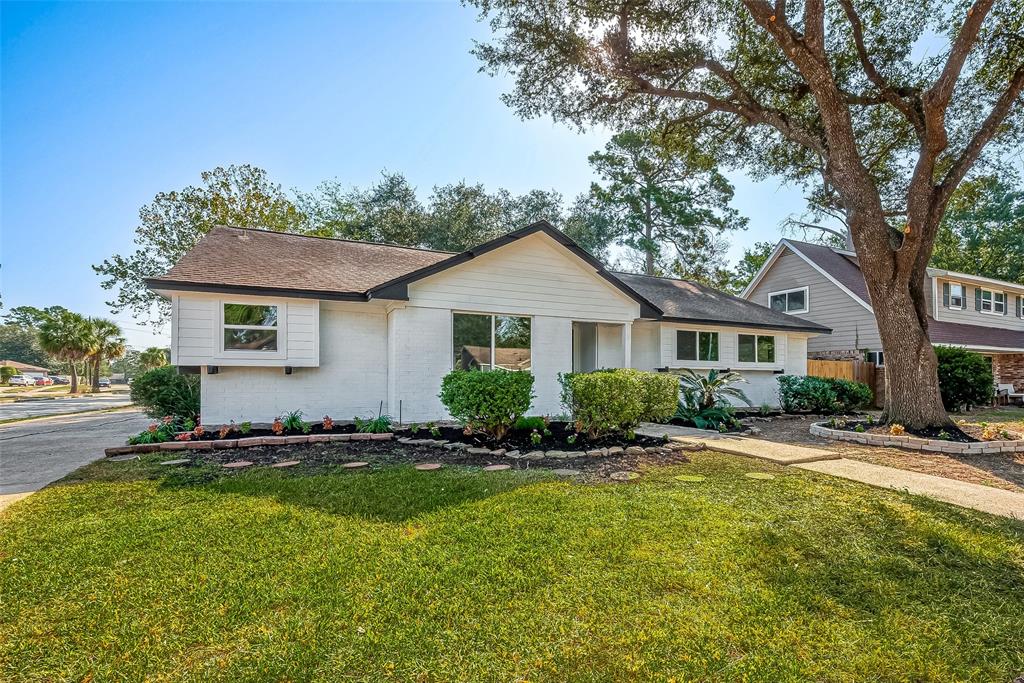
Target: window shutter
{"x":945,"y":294}
{"x":1006,"y":303}
{"x":1020,"y":306}
{"x":977,"y":298}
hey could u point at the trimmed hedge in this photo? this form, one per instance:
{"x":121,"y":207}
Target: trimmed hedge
{"x":965,"y":378}
{"x":608,"y":401}
{"x":822,"y":394}
{"x":164,"y":391}
{"x":490,"y":402}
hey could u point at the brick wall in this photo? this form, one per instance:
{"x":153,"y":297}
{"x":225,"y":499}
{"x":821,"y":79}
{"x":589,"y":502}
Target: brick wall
{"x":1008,"y":368}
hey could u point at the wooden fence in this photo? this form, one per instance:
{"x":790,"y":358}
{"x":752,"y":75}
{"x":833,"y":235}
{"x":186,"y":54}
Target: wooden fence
{"x":856,"y":370}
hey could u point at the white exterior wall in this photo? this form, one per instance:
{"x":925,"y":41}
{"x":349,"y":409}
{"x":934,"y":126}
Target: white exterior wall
{"x":350,"y":381}
{"x":646,"y":345}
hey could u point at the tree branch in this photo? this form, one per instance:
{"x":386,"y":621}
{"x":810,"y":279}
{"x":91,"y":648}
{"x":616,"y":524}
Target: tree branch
{"x":876,"y":78}
{"x":985,"y":133}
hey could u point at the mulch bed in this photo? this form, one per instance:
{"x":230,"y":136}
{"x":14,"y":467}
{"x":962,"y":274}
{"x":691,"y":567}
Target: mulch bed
{"x":520,"y":439}
{"x":381,"y":453}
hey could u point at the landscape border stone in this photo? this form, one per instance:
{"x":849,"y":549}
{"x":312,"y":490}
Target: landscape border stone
{"x":916,"y":443}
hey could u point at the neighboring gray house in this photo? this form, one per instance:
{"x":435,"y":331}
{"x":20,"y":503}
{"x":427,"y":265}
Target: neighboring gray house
{"x":825,"y":285}
{"x":277,"y":322}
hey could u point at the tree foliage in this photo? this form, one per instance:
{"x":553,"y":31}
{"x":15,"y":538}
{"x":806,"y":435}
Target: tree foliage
{"x":68,"y":337}
{"x":982,"y":232}
{"x":669,"y":203}
{"x":174,"y":222}
{"x":22,"y":344}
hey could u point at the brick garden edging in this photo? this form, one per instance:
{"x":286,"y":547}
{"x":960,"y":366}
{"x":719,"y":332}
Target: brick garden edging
{"x":915,"y":443}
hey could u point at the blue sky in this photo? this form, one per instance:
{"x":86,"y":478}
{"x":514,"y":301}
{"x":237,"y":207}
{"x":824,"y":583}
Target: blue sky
{"x":106,"y":104}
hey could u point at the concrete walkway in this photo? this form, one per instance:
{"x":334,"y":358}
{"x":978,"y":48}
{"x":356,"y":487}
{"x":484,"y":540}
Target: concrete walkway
{"x":781,"y":453}
{"x":965,"y":494}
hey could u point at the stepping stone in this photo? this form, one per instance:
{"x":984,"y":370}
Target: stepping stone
{"x":182,"y":461}
{"x":286,"y":463}
{"x":565,"y":472}
{"x":759,"y":475}
{"x":355,"y":465}
{"x":624,"y":476}
{"x":428,"y":466}
{"x":123,"y":458}
{"x":689,"y":477}
{"x":237,"y":464}
{"x":497,"y":468}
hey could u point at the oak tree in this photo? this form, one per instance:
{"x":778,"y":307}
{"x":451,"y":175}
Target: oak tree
{"x":882,"y":107}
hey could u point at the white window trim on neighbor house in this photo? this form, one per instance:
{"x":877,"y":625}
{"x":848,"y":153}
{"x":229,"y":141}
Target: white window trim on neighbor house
{"x":996,"y":306}
{"x":876,"y":357}
{"x":962,"y":296}
{"x":786,"y":292}
{"x":281,"y":328}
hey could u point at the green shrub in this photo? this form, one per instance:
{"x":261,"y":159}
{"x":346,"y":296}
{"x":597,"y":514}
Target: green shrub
{"x":610,"y":401}
{"x":822,"y":395}
{"x":965,"y":378}
{"x":164,"y":391}
{"x":660,"y":396}
{"x":375,"y":425}
{"x":6,"y":373}
{"x":531,"y":422}
{"x":490,"y":402}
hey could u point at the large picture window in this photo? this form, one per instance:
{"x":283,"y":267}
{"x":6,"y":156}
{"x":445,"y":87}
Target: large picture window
{"x":488,"y":342}
{"x":756,"y":348}
{"x":696,"y":346}
{"x":249,"y":327}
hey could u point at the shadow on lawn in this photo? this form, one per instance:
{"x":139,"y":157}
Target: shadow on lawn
{"x":384,"y":494}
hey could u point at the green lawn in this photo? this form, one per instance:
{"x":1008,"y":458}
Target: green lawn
{"x":398,"y":575}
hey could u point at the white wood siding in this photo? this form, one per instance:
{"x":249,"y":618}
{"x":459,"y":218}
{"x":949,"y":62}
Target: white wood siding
{"x":853,"y":326}
{"x":196,"y":332}
{"x":532,"y":276}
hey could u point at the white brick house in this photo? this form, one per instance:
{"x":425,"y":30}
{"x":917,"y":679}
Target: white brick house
{"x":277,"y":322}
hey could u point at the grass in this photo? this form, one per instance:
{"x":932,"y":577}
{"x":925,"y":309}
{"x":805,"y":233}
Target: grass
{"x":129,"y":571}
{"x":1011,"y":417}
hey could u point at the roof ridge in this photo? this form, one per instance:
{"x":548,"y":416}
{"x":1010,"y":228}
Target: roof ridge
{"x":335,"y":239}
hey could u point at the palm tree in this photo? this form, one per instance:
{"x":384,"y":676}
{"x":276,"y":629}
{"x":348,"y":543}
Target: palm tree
{"x":708,"y":391}
{"x":153,"y":357}
{"x":106,"y":342}
{"x":67,"y":336}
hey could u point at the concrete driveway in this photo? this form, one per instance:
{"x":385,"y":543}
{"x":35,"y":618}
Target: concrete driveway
{"x":37,"y":452}
{"x":57,"y":406}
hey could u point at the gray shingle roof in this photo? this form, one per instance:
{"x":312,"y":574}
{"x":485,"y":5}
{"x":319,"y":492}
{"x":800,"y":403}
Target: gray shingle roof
{"x":686,"y":301}
{"x":840,"y":266}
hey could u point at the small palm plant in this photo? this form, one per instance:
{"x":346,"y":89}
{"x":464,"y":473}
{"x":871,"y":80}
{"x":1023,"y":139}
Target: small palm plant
{"x":704,"y":392}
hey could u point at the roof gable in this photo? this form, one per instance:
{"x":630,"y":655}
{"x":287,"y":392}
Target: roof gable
{"x":839,"y":268}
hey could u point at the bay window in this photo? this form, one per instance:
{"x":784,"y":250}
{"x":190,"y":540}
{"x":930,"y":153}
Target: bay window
{"x":489,"y":342}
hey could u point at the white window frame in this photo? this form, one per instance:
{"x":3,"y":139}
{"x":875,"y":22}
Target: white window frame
{"x":451,"y":335}
{"x":698,"y":359}
{"x":280,"y":328}
{"x":963,"y":296}
{"x":807,"y":299}
{"x":876,"y":357}
{"x":757,"y":361}
{"x":994,"y":304}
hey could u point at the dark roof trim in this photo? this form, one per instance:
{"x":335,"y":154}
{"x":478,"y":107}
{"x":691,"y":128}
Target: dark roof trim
{"x":398,"y":288}
{"x":816,"y":329}
{"x":177,"y":285}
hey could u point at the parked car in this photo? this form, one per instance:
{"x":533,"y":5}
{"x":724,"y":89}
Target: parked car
{"x":104,"y":381}
{"x":22,"y":381}
{"x":60,"y":379}
{"x":43,"y":381}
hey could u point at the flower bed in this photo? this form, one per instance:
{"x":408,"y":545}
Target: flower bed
{"x":880,"y":436}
